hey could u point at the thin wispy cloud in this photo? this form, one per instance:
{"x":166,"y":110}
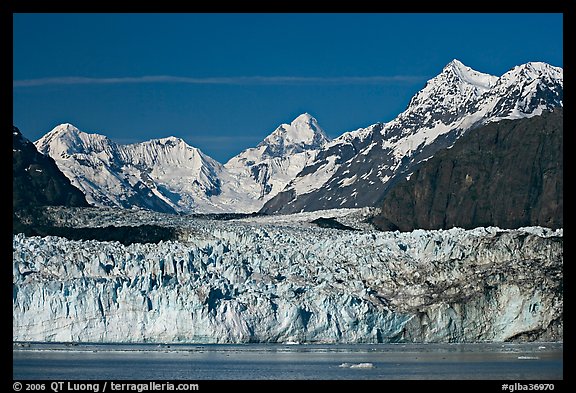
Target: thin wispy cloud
{"x":237,"y":80}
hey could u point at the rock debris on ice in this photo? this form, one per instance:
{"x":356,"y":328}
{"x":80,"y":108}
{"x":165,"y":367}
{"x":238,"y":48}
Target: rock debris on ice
{"x":250,"y":280}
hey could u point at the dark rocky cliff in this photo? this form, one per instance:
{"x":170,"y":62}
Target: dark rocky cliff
{"x":507,"y":174}
{"x":37,"y":181}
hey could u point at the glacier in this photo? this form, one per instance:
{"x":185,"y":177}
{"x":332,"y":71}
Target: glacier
{"x":281,"y":279}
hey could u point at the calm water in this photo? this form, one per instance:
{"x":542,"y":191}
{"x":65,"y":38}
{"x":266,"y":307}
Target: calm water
{"x":533,"y":361}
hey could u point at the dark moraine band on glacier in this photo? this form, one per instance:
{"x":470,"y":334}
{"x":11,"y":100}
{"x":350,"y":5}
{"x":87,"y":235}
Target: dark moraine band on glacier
{"x":251,"y":280}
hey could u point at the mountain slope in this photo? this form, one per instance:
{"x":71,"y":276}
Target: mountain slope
{"x":297,"y":167}
{"x":36,"y":179}
{"x":37,"y":182}
{"x":167,"y":175}
{"x":507,"y":174}
{"x":258,"y":174}
{"x":303,"y":133}
{"x":358,"y":169}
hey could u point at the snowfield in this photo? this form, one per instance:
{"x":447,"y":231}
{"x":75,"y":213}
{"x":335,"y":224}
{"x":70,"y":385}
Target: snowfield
{"x":282,"y":279}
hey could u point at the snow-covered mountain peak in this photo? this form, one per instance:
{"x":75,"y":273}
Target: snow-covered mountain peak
{"x":456,"y":67}
{"x":303,"y":133}
{"x":170,"y":145}
{"x":305,"y":120}
{"x":466,"y":74}
{"x":65,"y":128}
{"x":64,"y":132}
{"x":168,"y":151}
{"x":171,"y":140}
{"x":456,"y":64}
{"x":524,"y":91}
{"x":258,"y":174}
{"x":455,"y":84}
{"x":66,"y":139}
{"x":533,"y":70}
{"x":444,"y":99}
{"x":70,"y":134}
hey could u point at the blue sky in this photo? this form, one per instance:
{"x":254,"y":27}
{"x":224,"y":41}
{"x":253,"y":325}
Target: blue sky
{"x":223,"y":82}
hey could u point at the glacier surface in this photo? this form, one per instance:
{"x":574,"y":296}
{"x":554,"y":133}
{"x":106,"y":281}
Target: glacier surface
{"x":261,"y":279}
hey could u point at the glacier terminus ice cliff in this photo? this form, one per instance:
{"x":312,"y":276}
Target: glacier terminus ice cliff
{"x":388,"y":233}
{"x":283,"y":279}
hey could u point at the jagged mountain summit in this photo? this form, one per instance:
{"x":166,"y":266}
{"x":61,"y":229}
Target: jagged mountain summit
{"x":262,"y":172}
{"x":168,"y":175}
{"x":300,"y":135}
{"x":163,"y":174}
{"x":297,"y":167}
{"x":358,"y":168}
{"x":507,"y":173}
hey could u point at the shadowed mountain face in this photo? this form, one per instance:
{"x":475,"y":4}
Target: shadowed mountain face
{"x":360,"y":167}
{"x":506,"y":174}
{"x":36,"y":180}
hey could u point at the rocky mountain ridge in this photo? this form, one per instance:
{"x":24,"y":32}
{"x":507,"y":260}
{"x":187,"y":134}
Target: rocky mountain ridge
{"x":297,"y":167}
{"x":508,"y":173}
{"x":358,"y":169}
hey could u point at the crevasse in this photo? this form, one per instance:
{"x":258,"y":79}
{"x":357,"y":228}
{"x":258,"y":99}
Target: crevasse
{"x":248,"y":281}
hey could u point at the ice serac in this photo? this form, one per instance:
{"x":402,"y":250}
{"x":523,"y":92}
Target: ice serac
{"x":237,"y":282}
{"x":360,"y":167}
{"x":164,"y":174}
